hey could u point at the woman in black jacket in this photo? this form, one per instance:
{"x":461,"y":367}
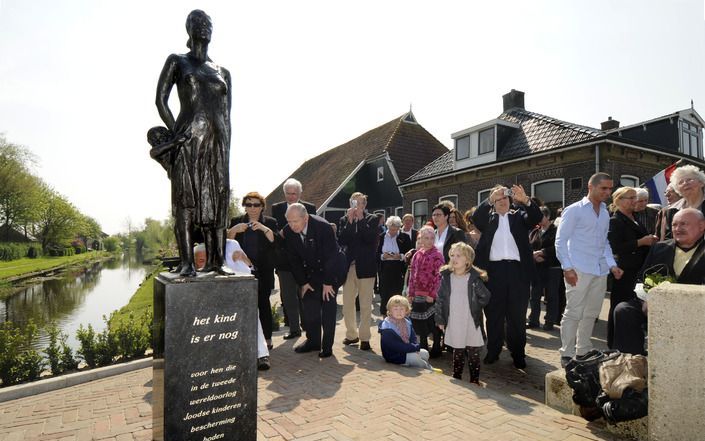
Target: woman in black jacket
{"x":630,"y":243}
{"x":391,"y":249}
{"x":255,"y":233}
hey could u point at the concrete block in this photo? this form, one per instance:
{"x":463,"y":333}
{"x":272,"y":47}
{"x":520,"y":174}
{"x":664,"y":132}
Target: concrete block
{"x":676,"y":362}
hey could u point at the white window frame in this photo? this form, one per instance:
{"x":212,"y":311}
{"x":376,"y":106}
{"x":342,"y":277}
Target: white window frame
{"x":561,"y":180}
{"x":413,"y":210}
{"x":446,"y":198}
{"x":380,"y":173}
{"x":457,"y":158}
{"x":398,"y":211}
{"x":479,"y":201}
{"x":494,"y":140}
{"x":632,"y":177}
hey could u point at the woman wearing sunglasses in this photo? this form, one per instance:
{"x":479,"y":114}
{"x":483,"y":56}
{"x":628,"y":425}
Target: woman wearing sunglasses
{"x":255,"y":233}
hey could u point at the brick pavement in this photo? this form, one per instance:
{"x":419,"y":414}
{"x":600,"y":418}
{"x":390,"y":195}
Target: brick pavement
{"x":351,"y":396}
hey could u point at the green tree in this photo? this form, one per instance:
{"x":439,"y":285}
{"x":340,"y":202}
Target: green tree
{"x":58,"y":220}
{"x":19,"y":188}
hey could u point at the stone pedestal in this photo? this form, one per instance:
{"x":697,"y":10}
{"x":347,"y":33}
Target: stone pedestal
{"x":676,"y":362}
{"x":205,"y":358}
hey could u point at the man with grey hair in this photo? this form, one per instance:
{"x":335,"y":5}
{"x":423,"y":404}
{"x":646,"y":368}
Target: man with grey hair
{"x":586,"y":258}
{"x":644,"y":214}
{"x":313,"y":255}
{"x":358,"y":233}
{"x":288,"y":290}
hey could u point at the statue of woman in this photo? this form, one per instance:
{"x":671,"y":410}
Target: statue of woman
{"x":200,"y":156}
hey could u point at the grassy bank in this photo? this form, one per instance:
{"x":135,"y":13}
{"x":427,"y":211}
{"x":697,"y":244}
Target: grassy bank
{"x":14,"y":268}
{"x":140,"y":300}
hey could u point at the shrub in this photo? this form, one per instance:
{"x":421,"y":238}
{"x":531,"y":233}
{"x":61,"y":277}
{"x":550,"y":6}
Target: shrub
{"x":87,"y":350}
{"x":13,"y":250}
{"x":59,"y":353}
{"x":110,"y":244}
{"x":134,"y":335}
{"x":18,"y":360}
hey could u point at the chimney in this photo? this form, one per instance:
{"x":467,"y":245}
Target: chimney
{"x":610,"y":124}
{"x":515,"y":98}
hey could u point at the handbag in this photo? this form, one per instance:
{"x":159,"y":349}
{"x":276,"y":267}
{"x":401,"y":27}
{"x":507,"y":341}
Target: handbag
{"x":622,"y":372}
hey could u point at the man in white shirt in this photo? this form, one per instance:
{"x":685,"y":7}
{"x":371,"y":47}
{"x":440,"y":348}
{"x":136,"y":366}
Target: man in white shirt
{"x":586,"y":258}
{"x":504,"y":251}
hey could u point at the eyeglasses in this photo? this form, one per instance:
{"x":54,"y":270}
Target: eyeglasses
{"x":686,"y":181}
{"x":250,"y":205}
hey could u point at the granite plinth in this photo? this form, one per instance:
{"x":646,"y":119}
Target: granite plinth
{"x":205,"y":358}
{"x":676,"y":362}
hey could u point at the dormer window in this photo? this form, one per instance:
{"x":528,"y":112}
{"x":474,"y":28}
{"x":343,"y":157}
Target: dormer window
{"x":486,"y":141}
{"x":691,"y":140}
{"x":462,"y":148}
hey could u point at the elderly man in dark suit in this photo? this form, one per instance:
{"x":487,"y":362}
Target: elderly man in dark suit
{"x":312,"y":251}
{"x":682,"y":257}
{"x":288,"y":290}
{"x":504,"y":251}
{"x":358,"y":233}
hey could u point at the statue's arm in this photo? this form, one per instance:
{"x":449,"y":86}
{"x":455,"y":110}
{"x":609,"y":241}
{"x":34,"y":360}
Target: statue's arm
{"x":166,"y":81}
{"x":229,"y":99}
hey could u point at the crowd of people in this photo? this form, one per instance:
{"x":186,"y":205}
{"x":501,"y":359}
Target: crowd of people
{"x":470,"y":279}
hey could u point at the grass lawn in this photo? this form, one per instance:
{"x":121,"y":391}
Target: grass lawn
{"x":27,"y":265}
{"x":142,"y":299}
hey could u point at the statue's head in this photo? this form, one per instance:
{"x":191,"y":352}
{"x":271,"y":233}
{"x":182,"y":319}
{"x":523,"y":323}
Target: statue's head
{"x":199,"y":27}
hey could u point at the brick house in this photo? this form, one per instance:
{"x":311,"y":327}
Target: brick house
{"x":374,"y":163}
{"x":550,"y":158}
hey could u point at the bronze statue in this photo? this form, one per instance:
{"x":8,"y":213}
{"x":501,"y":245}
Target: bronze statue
{"x":195,"y":148}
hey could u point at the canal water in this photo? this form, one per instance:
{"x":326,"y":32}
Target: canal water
{"x":76,"y":297}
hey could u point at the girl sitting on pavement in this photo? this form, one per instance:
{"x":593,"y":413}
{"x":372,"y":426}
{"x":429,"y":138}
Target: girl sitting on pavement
{"x":397,"y":337}
{"x":461,"y":297}
{"x":424,"y":279}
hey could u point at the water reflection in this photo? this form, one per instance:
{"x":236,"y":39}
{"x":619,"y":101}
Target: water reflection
{"x":76,"y":297}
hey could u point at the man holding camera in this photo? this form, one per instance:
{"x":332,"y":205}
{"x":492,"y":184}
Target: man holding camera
{"x":358,"y":233}
{"x":505,"y":219}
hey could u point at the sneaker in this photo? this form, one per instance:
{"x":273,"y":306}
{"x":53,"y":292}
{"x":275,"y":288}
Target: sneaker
{"x":565,"y":361}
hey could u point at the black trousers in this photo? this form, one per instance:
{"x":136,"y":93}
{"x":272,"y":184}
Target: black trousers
{"x":507,"y":306}
{"x":622,"y":291}
{"x":319,"y":313}
{"x":548,"y":285}
{"x":629,"y":324}
{"x":391,"y":282}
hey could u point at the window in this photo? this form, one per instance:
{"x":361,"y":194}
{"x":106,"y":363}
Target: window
{"x":462,"y":148}
{"x":420,"y":211}
{"x":487,"y":141}
{"x":576,"y":183}
{"x":691,"y":141}
{"x":628,"y":181}
{"x":398,"y":211}
{"x":380,"y":174}
{"x":482,"y":195}
{"x":450,"y":197}
{"x":550,"y":192}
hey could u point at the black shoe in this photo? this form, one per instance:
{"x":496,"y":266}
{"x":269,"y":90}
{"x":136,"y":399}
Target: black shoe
{"x":435,"y":353}
{"x":532,"y":325}
{"x":520,"y":363}
{"x":348,"y":341}
{"x":305,"y":347}
{"x":490,"y":358}
{"x":325,"y":354}
{"x":263,"y":364}
{"x":291,"y":335}
{"x":270,"y":346}
{"x":365,"y":346}
{"x":548,"y":327}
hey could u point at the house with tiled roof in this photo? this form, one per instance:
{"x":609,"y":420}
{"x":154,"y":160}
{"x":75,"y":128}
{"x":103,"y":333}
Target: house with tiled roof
{"x":552,"y":159}
{"x":374,"y":163}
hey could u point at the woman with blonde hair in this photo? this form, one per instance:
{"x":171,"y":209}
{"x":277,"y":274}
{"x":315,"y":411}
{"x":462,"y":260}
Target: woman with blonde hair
{"x":630,"y":243}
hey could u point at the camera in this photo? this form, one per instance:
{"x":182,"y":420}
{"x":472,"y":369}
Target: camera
{"x":353,"y":203}
{"x":509,"y":192}
{"x":249,"y":225}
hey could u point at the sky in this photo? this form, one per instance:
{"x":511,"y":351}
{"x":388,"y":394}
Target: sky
{"x":78,"y":78}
